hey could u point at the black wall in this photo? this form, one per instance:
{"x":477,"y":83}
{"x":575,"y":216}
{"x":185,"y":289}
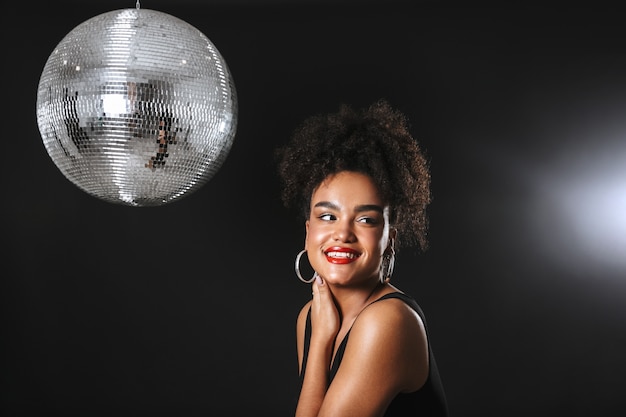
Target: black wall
{"x":189,"y":308}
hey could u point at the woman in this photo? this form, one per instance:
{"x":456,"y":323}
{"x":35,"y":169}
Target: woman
{"x":364,"y":185}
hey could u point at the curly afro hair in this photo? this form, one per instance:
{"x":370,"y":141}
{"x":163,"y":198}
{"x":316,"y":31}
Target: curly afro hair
{"x":374,"y":141}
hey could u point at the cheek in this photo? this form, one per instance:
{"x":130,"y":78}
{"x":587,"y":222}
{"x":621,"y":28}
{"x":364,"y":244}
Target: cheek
{"x":313,"y":236}
{"x":380,"y":243}
{"x":317,"y":236}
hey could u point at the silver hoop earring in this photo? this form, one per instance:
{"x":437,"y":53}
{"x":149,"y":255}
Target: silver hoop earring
{"x":387,"y":265}
{"x":298,"y":269}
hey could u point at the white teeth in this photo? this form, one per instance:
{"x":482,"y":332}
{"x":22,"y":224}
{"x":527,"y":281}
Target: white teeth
{"x":348,"y":255}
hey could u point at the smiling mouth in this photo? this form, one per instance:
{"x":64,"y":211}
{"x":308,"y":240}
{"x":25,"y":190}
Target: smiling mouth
{"x":341,"y":256}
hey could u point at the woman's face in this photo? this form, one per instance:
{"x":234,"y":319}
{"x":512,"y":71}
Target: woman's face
{"x":348,"y":229}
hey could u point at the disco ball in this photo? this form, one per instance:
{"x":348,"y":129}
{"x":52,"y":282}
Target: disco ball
{"x":137,"y":107}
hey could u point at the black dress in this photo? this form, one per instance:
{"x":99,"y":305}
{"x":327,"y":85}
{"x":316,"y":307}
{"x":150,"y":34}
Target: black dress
{"x":428,"y":401}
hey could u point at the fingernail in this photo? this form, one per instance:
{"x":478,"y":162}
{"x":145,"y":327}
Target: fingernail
{"x":319,"y":280}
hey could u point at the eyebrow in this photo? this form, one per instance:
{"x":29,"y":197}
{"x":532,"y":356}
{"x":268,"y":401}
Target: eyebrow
{"x":360,"y":208}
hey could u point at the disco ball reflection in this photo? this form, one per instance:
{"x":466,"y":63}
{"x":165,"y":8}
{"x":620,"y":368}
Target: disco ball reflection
{"x":137,"y":107}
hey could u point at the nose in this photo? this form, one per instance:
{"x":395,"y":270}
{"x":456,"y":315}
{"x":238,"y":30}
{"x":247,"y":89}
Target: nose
{"x":343,"y":231}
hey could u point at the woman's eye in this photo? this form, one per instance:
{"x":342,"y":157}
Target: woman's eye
{"x":326,"y":217}
{"x":367,"y":220}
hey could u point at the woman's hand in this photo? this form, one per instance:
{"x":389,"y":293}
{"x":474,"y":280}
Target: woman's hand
{"x":324,"y":329}
{"x":324,"y":314}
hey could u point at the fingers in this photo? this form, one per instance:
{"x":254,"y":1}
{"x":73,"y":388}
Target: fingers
{"x":317,"y":283}
{"x":321,"y":292}
{"x":324,"y":314}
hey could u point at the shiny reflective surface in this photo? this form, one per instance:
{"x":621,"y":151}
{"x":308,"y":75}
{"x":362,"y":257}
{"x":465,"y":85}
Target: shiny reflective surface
{"x":137,"y":107}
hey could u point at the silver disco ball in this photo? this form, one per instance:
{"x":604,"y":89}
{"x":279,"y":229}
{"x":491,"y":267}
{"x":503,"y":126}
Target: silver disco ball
{"x":137,"y":107}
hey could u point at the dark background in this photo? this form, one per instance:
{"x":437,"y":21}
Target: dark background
{"x":189,"y":309}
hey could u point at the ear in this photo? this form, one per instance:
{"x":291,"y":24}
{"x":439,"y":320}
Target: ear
{"x":393,"y":233}
{"x":306,"y":232}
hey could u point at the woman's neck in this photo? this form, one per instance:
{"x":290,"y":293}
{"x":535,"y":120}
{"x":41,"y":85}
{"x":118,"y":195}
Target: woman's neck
{"x":351,"y":301}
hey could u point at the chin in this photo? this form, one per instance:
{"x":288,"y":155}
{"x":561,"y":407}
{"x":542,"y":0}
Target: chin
{"x":343,"y":279}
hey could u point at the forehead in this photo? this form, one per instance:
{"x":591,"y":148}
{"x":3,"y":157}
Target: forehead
{"x":348,"y":187}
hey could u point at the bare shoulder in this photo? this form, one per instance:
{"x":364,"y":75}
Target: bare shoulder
{"x":304,"y":311}
{"x":389,"y":316}
{"x":390,"y":336}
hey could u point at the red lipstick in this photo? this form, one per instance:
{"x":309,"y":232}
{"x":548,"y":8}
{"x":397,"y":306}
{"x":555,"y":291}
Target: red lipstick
{"x":341,"y":255}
